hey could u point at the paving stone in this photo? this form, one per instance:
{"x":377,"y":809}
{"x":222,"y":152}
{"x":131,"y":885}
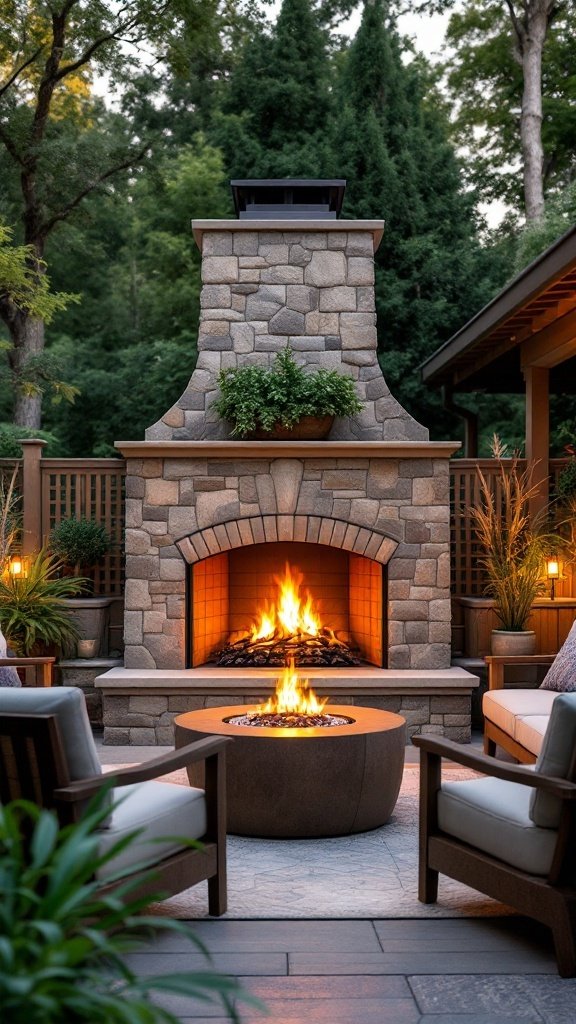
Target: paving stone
{"x":491,"y":994}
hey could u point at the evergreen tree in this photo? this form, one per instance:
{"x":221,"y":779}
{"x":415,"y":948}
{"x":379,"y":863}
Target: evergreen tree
{"x":279,"y":100}
{"x":392,"y":145}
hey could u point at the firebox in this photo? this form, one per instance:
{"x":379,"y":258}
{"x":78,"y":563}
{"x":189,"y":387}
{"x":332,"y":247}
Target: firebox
{"x":241,"y":604}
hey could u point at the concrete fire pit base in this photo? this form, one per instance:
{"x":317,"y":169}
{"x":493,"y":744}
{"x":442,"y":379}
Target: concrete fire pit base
{"x":300,"y":783}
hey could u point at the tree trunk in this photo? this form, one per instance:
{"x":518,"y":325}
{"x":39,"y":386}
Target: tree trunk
{"x":27,"y":334}
{"x":531,"y":46}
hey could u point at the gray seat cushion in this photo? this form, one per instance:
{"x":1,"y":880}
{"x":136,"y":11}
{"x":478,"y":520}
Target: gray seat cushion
{"x":163,"y":811}
{"x":555,"y":756}
{"x":493,"y":816}
{"x":68,"y":705}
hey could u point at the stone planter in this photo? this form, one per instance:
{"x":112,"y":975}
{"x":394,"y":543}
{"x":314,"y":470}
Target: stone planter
{"x":506,"y":642}
{"x":88,"y":648}
{"x":91,"y":616}
{"x":308,"y":428}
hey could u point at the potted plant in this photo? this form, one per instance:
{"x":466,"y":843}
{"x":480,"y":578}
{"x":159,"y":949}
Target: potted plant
{"x":33,"y":608}
{"x":284,"y":402}
{"x":80,"y":544}
{"x":63,"y":949}
{"x":512,"y":551}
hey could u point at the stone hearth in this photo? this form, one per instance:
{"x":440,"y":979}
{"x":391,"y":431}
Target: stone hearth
{"x":376,"y":492}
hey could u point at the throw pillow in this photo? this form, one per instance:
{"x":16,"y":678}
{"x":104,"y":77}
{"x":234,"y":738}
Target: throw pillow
{"x":561,"y":676}
{"x":8,"y":674}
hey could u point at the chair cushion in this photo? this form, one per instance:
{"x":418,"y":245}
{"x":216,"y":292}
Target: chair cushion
{"x":530,"y":731}
{"x":493,"y":816}
{"x":68,"y":705}
{"x":503,"y":707}
{"x":555,"y":756}
{"x":561,"y":676}
{"x":163,"y":810}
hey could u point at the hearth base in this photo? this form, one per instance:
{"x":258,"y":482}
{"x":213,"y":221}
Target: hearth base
{"x":140,"y":704}
{"x":304,"y":783}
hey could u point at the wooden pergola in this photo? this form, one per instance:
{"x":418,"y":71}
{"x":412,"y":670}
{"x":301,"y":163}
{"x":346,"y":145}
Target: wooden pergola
{"x":522,"y":342}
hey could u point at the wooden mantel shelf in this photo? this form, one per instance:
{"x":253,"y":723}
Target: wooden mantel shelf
{"x":287,"y":449}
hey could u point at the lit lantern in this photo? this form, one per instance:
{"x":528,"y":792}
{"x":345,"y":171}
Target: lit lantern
{"x":18,"y":567}
{"x":553,"y":574}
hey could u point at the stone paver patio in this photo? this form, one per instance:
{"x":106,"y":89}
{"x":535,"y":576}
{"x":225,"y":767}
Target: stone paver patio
{"x":464,"y":971}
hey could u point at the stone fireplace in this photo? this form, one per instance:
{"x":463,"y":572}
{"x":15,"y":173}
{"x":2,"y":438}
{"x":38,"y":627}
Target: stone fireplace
{"x":364,"y":516}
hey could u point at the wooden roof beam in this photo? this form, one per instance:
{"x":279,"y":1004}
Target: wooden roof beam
{"x":552,"y":345}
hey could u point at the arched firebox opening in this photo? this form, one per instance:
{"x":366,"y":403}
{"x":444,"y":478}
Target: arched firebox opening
{"x":232,"y":594}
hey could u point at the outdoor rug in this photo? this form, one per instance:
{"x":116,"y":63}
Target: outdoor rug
{"x":369,"y":875}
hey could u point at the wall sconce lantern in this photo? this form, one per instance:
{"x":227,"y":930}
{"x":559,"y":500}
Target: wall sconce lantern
{"x":18,"y":567}
{"x":553,"y":574}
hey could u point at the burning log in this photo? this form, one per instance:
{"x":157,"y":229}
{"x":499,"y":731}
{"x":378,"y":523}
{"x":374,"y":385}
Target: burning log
{"x":322,"y":651}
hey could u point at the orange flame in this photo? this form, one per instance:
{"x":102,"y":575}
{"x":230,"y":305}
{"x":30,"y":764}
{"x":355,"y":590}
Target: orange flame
{"x":293,"y":696}
{"x":291,"y":615}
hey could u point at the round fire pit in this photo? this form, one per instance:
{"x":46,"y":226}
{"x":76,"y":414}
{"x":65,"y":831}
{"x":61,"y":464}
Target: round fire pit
{"x":304,"y":782}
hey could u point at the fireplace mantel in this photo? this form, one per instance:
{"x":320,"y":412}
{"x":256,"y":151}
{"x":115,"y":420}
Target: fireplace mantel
{"x":292,"y":449}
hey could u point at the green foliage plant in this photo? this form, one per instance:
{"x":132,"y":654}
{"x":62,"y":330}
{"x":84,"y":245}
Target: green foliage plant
{"x":257,"y":398}
{"x":63,"y":942}
{"x":512,"y":547}
{"x":79,"y":543}
{"x":33,"y":608}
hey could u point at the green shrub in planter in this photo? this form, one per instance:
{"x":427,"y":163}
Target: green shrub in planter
{"x":33,"y":607}
{"x":80,"y":543}
{"x":256,"y":398}
{"x":62,"y":943}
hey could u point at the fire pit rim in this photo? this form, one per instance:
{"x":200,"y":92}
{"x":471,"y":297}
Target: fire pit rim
{"x":366,"y":721}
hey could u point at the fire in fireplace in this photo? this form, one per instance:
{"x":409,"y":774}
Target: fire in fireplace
{"x":294,"y":705}
{"x":288,"y":630}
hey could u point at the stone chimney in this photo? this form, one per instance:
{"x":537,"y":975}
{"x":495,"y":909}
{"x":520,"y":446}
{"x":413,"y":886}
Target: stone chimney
{"x":272,"y":283}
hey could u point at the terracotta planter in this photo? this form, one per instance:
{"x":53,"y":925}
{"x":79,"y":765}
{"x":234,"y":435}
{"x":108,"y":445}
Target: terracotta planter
{"x":511,"y":643}
{"x":308,"y":428}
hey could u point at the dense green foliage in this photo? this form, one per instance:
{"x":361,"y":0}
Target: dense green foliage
{"x":79,"y":543}
{"x":63,"y":943}
{"x":239,"y":93}
{"x":255,"y":398}
{"x":33,"y":608}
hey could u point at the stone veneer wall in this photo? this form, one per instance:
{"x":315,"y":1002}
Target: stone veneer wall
{"x":180,"y":509}
{"x":144,"y":718}
{"x":311,"y":289}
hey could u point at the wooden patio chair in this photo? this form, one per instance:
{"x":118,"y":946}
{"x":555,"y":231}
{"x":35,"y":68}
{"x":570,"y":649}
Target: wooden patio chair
{"x":510,"y":834}
{"x":48,"y":755}
{"x":42,"y":668}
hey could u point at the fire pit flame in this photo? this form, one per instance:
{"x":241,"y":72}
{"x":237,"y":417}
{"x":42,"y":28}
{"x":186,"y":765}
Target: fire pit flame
{"x":294,"y":705}
{"x":293,"y":696}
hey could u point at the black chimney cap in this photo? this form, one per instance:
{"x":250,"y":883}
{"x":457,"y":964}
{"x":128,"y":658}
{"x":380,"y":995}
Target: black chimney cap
{"x":288,"y":198}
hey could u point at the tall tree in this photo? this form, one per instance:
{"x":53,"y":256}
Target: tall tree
{"x":131,"y":346}
{"x":511,"y":75}
{"x":392,"y":144}
{"x":279,"y":101}
{"x":50,"y":127}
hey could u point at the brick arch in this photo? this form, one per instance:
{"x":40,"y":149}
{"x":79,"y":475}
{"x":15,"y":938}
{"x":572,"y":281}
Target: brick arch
{"x":336,"y":533}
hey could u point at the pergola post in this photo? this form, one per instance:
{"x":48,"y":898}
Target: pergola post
{"x":32,"y":494}
{"x":538,"y":430}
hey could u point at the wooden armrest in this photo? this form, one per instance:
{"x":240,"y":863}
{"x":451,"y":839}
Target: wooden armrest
{"x":519,"y":659}
{"x":25,"y":662}
{"x":497,"y":662}
{"x":493,"y":767}
{"x":159,"y":766}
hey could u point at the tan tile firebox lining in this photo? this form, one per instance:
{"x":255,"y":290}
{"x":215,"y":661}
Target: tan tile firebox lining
{"x":228,"y":589}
